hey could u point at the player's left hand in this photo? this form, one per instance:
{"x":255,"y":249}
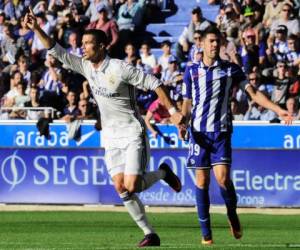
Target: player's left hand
{"x":285,"y":116}
{"x":176,"y":118}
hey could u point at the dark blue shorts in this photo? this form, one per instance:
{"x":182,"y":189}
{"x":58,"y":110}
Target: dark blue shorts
{"x":207,"y":149}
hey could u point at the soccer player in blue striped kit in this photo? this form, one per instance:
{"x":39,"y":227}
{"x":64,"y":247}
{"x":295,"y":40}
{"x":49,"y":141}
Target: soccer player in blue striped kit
{"x":207,"y":90}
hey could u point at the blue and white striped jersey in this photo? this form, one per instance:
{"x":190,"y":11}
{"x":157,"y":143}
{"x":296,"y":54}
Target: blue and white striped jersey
{"x":210,"y":90}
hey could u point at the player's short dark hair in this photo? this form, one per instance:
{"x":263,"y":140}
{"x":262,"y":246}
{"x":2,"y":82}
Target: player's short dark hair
{"x":211,"y":30}
{"x":99,"y":35}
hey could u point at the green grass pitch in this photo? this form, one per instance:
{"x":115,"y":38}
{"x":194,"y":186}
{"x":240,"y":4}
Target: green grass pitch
{"x":115,"y":230}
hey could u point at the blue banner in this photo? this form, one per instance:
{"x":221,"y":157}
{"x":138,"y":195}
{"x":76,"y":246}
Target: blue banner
{"x":271,"y":136}
{"x":28,"y":136}
{"x":263,"y":178}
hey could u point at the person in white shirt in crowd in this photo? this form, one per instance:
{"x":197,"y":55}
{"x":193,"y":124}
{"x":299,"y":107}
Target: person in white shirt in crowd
{"x":15,"y":79}
{"x":286,"y":18}
{"x":147,"y":57}
{"x":272,"y":11}
{"x":113,"y":83}
{"x":163,"y":60}
{"x":33,"y":103}
{"x":130,"y":52}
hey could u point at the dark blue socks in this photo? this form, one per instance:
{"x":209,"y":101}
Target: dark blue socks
{"x":203,"y":203}
{"x":230,"y":199}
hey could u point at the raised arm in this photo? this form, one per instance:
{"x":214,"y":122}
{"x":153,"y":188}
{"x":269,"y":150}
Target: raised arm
{"x":31,"y":23}
{"x":73,"y":62}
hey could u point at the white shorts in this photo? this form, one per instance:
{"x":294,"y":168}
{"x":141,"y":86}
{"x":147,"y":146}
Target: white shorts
{"x":128,"y":155}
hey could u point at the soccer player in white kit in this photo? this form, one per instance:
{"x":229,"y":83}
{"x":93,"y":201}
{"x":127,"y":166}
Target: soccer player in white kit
{"x":113,"y":85}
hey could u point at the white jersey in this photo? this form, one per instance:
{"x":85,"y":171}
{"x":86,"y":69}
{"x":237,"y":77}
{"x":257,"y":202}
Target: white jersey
{"x":113,"y":86}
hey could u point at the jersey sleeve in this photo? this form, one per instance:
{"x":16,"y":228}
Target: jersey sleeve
{"x":187,"y":84}
{"x":238,"y":77}
{"x":138,"y":78}
{"x":72,"y":61}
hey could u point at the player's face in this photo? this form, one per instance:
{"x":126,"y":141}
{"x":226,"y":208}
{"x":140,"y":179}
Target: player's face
{"x":91,"y":51}
{"x":211,"y":46}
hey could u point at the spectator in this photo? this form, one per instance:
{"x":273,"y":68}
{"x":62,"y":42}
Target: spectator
{"x":159,"y":113}
{"x":2,"y":21}
{"x":249,"y":52}
{"x":172,"y":79}
{"x":196,"y":48}
{"x":257,"y":112}
{"x":130,"y":52}
{"x":73,"y":42}
{"x":228,"y":20}
{"x":237,"y":115}
{"x":37,"y":49}
{"x":293,"y":54}
{"x":92,"y":11}
{"x":163,"y":60}
{"x":22,"y":66}
{"x":33,"y":103}
{"x":130,"y":21}
{"x":248,"y":5}
{"x":286,"y":19}
{"x":50,"y":80}
{"x":71,"y":111}
{"x":21,"y":98}
{"x":282,"y":85}
{"x":198,"y":22}
{"x":10,"y":44}
{"x":228,"y":50}
{"x":109,"y":26}
{"x":280,"y":46}
{"x":25,"y":34}
{"x":66,"y":27}
{"x":84,"y":111}
{"x":272,"y":10}
{"x":292,"y":108}
{"x":15,"y":79}
{"x":130,"y":15}
{"x":147,"y":57}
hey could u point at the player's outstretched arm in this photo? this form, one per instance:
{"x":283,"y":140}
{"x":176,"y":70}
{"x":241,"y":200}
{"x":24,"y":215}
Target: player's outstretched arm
{"x":31,"y":22}
{"x":262,"y":100}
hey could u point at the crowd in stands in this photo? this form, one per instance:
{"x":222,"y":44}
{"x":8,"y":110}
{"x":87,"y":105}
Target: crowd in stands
{"x":260,"y":36}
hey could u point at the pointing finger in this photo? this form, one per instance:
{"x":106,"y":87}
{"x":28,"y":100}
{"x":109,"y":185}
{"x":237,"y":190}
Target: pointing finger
{"x":31,"y":11}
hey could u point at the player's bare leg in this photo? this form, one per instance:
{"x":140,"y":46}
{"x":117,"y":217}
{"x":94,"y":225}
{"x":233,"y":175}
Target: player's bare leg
{"x":222,"y":173}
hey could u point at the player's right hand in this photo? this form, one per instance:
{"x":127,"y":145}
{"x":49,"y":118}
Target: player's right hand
{"x":30,"y":20}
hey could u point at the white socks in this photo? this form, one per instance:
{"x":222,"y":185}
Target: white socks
{"x":137,"y":211}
